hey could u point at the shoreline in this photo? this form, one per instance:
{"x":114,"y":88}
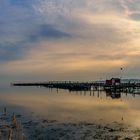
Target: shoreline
{"x":44,"y":129}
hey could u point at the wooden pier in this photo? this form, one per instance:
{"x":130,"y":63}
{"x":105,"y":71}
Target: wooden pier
{"x":82,"y":86}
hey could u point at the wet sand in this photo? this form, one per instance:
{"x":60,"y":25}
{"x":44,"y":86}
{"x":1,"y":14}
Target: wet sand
{"x":53,"y":130}
{"x":18,"y":127}
{"x":44,"y":129}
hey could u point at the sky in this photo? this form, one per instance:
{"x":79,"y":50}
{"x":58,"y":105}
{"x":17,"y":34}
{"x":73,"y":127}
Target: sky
{"x":43,"y":40}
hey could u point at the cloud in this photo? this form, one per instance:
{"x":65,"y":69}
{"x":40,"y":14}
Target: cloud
{"x":68,"y":39}
{"x":18,"y":44}
{"x":133,"y":5}
{"x":107,"y":33}
{"x":10,"y":52}
{"x":47,"y":31}
{"x":20,"y":3}
{"x":67,"y":57}
{"x":20,"y":28}
{"x":135,"y":16}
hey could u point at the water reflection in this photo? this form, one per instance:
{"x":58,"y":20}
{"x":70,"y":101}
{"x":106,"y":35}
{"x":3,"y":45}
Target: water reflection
{"x":73,"y":106}
{"x":113,"y":95}
{"x":100,"y":93}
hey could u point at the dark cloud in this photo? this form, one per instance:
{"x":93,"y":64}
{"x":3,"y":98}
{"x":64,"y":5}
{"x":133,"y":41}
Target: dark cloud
{"x":11,"y":52}
{"x":20,"y":2}
{"x":47,"y":31}
{"x":135,"y":16}
{"x":16,"y":50}
{"x":20,"y":27}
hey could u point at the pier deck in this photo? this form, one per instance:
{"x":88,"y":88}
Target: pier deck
{"x":81,"y":85}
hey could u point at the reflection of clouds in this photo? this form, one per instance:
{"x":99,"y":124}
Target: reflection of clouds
{"x":72,"y":107}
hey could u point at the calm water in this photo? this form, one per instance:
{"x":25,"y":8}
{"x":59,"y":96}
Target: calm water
{"x":65,"y":106}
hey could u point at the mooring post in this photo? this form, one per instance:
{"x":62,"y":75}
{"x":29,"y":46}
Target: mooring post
{"x":5,"y":111}
{"x":10,"y":134}
{"x":84,"y":92}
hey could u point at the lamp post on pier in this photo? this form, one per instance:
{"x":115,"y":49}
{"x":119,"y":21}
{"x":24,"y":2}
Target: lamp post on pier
{"x":121,"y":72}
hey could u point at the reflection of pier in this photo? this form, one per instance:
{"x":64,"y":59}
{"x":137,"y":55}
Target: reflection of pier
{"x":113,"y":95}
